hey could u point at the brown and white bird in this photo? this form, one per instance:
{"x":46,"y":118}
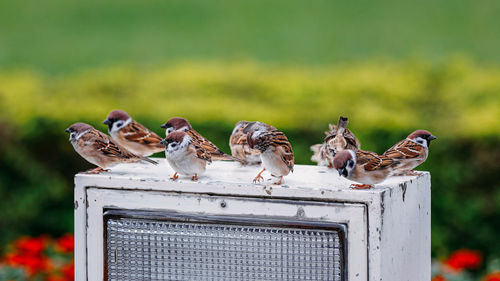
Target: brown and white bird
{"x":132,"y":135}
{"x":239,"y":145}
{"x":365,"y":167}
{"x":276,"y":151}
{"x":337,"y":138}
{"x":99,"y":149}
{"x":185,"y":155}
{"x":410,"y":152}
{"x":178,"y":124}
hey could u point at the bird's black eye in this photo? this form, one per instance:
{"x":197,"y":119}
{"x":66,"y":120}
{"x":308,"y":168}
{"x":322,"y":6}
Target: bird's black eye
{"x":344,"y":173}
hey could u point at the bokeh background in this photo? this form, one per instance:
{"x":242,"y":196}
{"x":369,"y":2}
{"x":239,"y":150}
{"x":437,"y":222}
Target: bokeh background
{"x":390,"y":66}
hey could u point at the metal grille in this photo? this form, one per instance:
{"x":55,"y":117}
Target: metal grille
{"x":146,"y":249}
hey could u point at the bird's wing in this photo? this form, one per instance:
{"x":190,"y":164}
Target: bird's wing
{"x":195,"y":148}
{"x":205,"y":144}
{"x":352,"y":141}
{"x":405,"y":149}
{"x":136,"y":132}
{"x":103,"y":143}
{"x":372,"y":161}
{"x":238,"y":137}
{"x":283,"y":146}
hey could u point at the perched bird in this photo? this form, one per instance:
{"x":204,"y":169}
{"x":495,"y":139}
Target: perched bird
{"x":99,"y":149}
{"x":239,"y":145}
{"x":275,"y":150}
{"x":410,"y":152}
{"x":185,"y":155}
{"x":337,"y":138}
{"x":177,"y":124}
{"x":365,"y":167}
{"x":132,"y":135}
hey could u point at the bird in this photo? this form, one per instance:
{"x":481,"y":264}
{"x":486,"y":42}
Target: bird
{"x":99,"y":149}
{"x":337,"y":138}
{"x":276,"y":152}
{"x":185,"y":155}
{"x":239,"y":145}
{"x":365,"y":167}
{"x":411,"y":152}
{"x":132,"y":135}
{"x":177,"y":124}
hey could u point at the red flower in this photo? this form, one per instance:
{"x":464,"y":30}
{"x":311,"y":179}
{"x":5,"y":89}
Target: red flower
{"x":66,"y":244}
{"x":438,"y":277}
{"x":494,"y":276}
{"x":464,"y":259}
{"x":33,"y":264}
{"x":68,"y":271}
{"x":33,"y":246}
{"x":56,"y":278}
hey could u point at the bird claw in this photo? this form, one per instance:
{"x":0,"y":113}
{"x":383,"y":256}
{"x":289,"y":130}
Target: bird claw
{"x":258,"y":179}
{"x":195,"y":177}
{"x":413,"y":173}
{"x":96,"y":170}
{"x":279,"y":182}
{"x":174,"y":177}
{"x":360,"y":186}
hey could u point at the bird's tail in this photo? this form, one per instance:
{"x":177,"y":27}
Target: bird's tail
{"x":342,"y":124}
{"x":145,"y":159}
{"x":229,"y":158}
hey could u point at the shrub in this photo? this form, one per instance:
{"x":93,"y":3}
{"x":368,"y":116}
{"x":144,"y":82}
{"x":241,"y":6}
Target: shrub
{"x":458,"y":101}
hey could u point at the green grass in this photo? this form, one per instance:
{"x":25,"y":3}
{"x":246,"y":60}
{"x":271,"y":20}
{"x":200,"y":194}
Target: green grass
{"x":59,"y":35}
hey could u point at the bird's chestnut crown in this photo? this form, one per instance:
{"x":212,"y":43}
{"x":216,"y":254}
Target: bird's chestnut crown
{"x":76,"y":129}
{"x":116,"y":119}
{"x":176,"y":124}
{"x":344,"y":162}
{"x":422,"y":137}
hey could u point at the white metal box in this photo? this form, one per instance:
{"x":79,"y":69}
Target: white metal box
{"x":134,"y":223}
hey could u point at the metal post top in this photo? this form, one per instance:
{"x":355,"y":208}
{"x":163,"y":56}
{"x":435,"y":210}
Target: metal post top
{"x":223,"y":177}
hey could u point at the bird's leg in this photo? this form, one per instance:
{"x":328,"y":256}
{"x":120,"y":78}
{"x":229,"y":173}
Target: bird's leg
{"x":174,"y":177}
{"x":279,"y":182}
{"x":195,"y":177}
{"x":96,"y":170}
{"x":413,"y":173}
{"x":258,"y":178}
{"x":361,"y":186}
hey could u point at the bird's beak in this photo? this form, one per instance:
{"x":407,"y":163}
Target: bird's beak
{"x":432,"y":137}
{"x":67,"y":130}
{"x":164,"y":126}
{"x":341,"y":171}
{"x":107,"y":122}
{"x":163,"y":142}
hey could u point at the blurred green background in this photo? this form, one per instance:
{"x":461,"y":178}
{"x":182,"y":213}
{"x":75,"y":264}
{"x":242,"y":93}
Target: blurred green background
{"x":391,"y":67}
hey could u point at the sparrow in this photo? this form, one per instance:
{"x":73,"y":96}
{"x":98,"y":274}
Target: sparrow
{"x":337,"y":138}
{"x":178,"y":124}
{"x":239,"y":145}
{"x":132,"y":135}
{"x":99,"y":149}
{"x":185,"y":155}
{"x":276,"y":152}
{"x":411,"y":152}
{"x":365,"y":167}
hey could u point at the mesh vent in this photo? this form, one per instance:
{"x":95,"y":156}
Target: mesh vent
{"x":146,"y":249}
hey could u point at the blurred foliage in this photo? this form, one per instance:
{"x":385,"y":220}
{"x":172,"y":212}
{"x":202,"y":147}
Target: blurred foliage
{"x":458,"y":101}
{"x":458,"y":98}
{"x":60,"y":35}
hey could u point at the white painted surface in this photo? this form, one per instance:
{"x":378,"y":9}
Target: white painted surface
{"x":396,"y":223}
